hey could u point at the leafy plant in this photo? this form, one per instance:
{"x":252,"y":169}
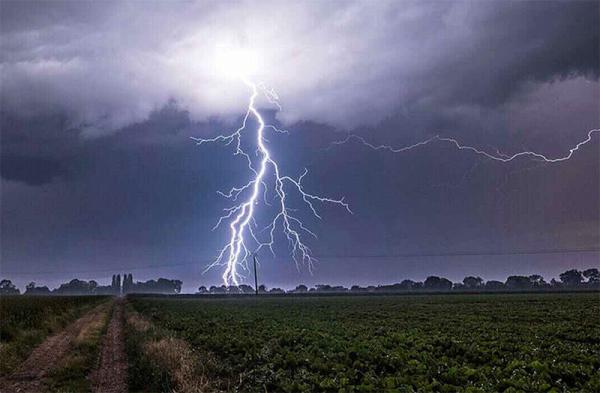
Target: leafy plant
{"x":447,"y":343}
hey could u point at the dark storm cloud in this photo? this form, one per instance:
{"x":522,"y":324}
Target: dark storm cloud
{"x":36,"y":149}
{"x":517,"y":42}
{"x":99,"y":100}
{"x":31,"y":170}
{"x":131,"y":202}
{"x":111,"y":63}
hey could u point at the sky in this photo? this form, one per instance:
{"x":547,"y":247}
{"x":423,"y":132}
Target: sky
{"x":99,"y":101}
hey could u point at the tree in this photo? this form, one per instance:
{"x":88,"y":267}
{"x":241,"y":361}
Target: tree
{"x":434,"y":283}
{"x":339,"y":288}
{"x":301,"y":289}
{"x":202,"y":290}
{"x":408,"y":285}
{"x":262,"y":288}
{"x":537,"y":281}
{"x":246,"y":289}
{"x":571,"y":278}
{"x":118,"y":285}
{"x":31,"y":289}
{"x":76,"y":287}
{"x":493,"y":285}
{"x":127,"y":283}
{"x":323,"y":288}
{"x":218,"y":290}
{"x":471,"y":282}
{"x":8,"y":288}
{"x":357,"y":288}
{"x":592,"y":275}
{"x":162,"y":285}
{"x":518,"y":283}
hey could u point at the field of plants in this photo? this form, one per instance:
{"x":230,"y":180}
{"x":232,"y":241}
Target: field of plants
{"x":26,"y":320}
{"x":446,"y":343}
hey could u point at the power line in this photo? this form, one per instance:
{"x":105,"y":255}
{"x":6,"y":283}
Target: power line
{"x":329,"y":256}
{"x":466,"y":253}
{"x":116,"y":269}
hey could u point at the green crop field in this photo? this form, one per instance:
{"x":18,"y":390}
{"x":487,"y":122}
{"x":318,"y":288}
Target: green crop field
{"x":447,"y":343}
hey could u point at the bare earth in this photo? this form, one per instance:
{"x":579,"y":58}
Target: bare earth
{"x":30,"y":375}
{"x":111,"y":375}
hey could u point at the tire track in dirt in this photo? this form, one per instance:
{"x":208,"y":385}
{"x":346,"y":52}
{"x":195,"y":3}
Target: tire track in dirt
{"x":111,"y":375}
{"x":29,"y":377}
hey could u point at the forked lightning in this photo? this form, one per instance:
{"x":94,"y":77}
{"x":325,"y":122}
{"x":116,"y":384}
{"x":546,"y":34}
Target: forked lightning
{"x":244,"y":239}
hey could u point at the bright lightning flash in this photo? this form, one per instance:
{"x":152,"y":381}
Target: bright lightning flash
{"x":498,"y":156}
{"x":236,"y":63}
{"x":244,"y":234}
{"x":244,"y":239}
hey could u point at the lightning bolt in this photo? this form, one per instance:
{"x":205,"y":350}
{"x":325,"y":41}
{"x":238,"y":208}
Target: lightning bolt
{"x":244,"y":235}
{"x":498,"y":156}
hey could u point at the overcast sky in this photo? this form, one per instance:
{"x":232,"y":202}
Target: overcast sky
{"x":99,"y":101}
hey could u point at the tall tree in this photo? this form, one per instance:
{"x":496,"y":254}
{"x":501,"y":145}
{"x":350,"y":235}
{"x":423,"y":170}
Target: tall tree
{"x":434,"y":283}
{"x":537,"y":281}
{"x":471,"y":282}
{"x":592,"y":275}
{"x":8,"y":288}
{"x":518,"y":283}
{"x":571,"y":278}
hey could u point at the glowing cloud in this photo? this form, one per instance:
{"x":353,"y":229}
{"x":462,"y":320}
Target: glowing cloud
{"x":236,"y":62}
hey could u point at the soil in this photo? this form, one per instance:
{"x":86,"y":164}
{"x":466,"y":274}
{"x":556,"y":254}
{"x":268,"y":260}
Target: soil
{"x":111,"y":375}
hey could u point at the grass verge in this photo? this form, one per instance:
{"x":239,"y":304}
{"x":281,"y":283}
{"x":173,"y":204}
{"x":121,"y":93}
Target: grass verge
{"x":72,"y":375}
{"x":160,"y":362}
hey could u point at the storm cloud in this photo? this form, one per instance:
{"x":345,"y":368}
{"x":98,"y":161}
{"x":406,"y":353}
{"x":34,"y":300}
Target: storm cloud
{"x":106,"y":65}
{"x":99,"y":101}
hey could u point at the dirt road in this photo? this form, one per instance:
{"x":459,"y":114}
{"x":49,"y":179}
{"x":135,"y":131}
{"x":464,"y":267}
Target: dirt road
{"x":111,"y":375}
{"x":30,"y":375}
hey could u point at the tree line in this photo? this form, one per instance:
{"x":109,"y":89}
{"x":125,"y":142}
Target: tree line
{"x":117,"y":287}
{"x":572,"y":279}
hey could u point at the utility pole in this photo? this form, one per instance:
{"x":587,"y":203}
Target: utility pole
{"x":255,"y":275}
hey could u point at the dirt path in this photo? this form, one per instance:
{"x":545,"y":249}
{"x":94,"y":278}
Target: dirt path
{"x":29,"y":377}
{"x":111,"y":375}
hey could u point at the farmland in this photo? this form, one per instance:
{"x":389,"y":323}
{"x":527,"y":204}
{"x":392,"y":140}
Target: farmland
{"x":447,"y":343}
{"x":409,"y":343}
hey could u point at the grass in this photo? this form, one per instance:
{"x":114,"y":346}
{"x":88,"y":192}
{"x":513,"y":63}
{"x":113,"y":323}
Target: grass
{"x":73,"y":374}
{"x":446,"y":343}
{"x":25,"y":321}
{"x":160,"y":362}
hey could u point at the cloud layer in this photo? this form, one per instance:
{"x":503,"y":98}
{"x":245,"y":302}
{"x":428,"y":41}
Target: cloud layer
{"x":106,"y":65}
{"x":99,"y":99}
